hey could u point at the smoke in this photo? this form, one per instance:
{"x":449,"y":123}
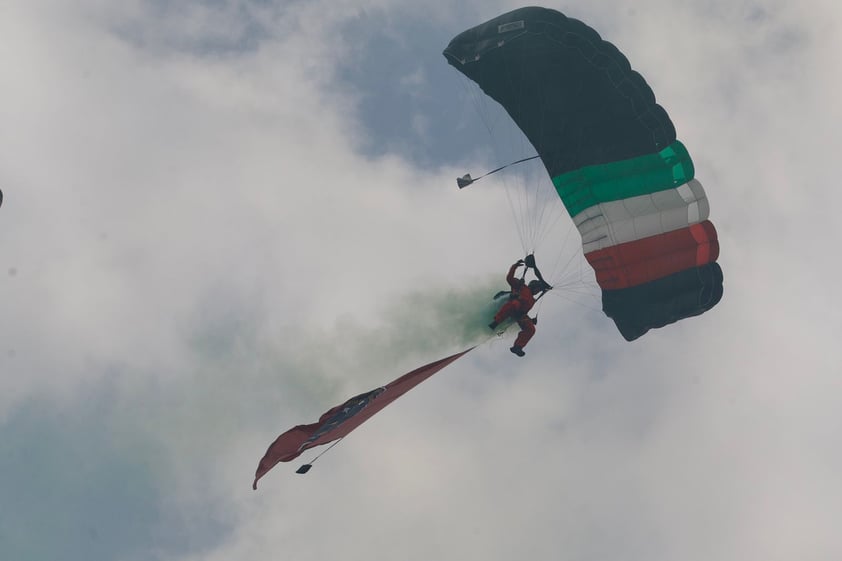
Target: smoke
{"x":430,"y":324}
{"x":327,"y":365}
{"x":248,"y":374}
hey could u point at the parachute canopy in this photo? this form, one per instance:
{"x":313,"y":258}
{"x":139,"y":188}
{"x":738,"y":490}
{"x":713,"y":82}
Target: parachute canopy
{"x":613,"y":157}
{"x":339,"y":421}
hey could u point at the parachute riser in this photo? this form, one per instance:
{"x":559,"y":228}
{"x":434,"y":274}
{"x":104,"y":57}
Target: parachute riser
{"x":529,"y":262}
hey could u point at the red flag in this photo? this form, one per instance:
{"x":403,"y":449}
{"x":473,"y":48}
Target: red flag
{"x":342,"y":419}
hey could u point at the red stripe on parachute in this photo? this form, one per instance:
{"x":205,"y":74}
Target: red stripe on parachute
{"x":641,"y":261}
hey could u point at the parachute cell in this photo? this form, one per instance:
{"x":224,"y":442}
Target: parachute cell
{"x":613,"y":157}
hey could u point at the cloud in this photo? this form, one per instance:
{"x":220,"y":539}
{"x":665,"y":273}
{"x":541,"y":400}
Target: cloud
{"x":222,"y":223}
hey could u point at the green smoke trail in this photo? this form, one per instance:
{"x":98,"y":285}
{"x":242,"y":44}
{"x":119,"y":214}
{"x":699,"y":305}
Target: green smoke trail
{"x":248,"y":375}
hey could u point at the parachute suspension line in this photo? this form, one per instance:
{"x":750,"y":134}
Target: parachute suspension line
{"x":532,"y":193}
{"x":595,"y":306}
{"x":531,"y":199}
{"x":568,"y":280}
{"x":538,"y":208}
{"x":517,"y":186}
{"x":517,"y":218}
{"x":537,"y":201}
{"x":306,"y":467}
{"x":550,"y":201}
{"x":551,"y":225}
{"x":518,"y":144}
{"x":548,"y":212}
{"x":529,"y":183}
{"x":513,"y":196}
{"x":482,"y":106}
{"x":556,"y":273}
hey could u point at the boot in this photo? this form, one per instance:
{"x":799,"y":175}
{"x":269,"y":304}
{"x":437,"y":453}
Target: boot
{"x":517,"y":350}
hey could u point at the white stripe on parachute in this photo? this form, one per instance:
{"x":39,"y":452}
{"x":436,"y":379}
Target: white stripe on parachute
{"x":635,"y":218}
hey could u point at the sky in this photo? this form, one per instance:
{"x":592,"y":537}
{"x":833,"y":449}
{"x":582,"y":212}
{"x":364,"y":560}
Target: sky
{"x":221,"y":218}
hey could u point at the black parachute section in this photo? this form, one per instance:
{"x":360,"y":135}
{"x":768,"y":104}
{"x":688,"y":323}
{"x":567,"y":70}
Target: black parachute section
{"x":574,"y":95}
{"x":607,"y":145}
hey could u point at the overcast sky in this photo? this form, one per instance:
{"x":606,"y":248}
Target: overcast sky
{"x":223,"y":217}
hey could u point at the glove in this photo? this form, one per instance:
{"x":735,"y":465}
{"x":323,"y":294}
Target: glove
{"x":530,"y":260}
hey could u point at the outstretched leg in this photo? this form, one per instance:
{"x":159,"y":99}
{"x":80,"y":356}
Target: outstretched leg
{"x":527,"y":330}
{"x":509,"y":309}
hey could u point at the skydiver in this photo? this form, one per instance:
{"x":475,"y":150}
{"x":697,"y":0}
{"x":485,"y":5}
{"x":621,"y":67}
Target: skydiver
{"x":521,"y":300}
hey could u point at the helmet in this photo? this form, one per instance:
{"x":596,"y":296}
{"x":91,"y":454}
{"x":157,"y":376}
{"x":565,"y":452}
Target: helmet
{"x":536,"y":286}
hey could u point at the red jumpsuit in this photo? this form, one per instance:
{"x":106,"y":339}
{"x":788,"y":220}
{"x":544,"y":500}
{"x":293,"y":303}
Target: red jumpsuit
{"x":517,"y":307}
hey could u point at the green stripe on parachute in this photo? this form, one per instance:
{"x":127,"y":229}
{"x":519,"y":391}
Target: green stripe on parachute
{"x":614,"y":181}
